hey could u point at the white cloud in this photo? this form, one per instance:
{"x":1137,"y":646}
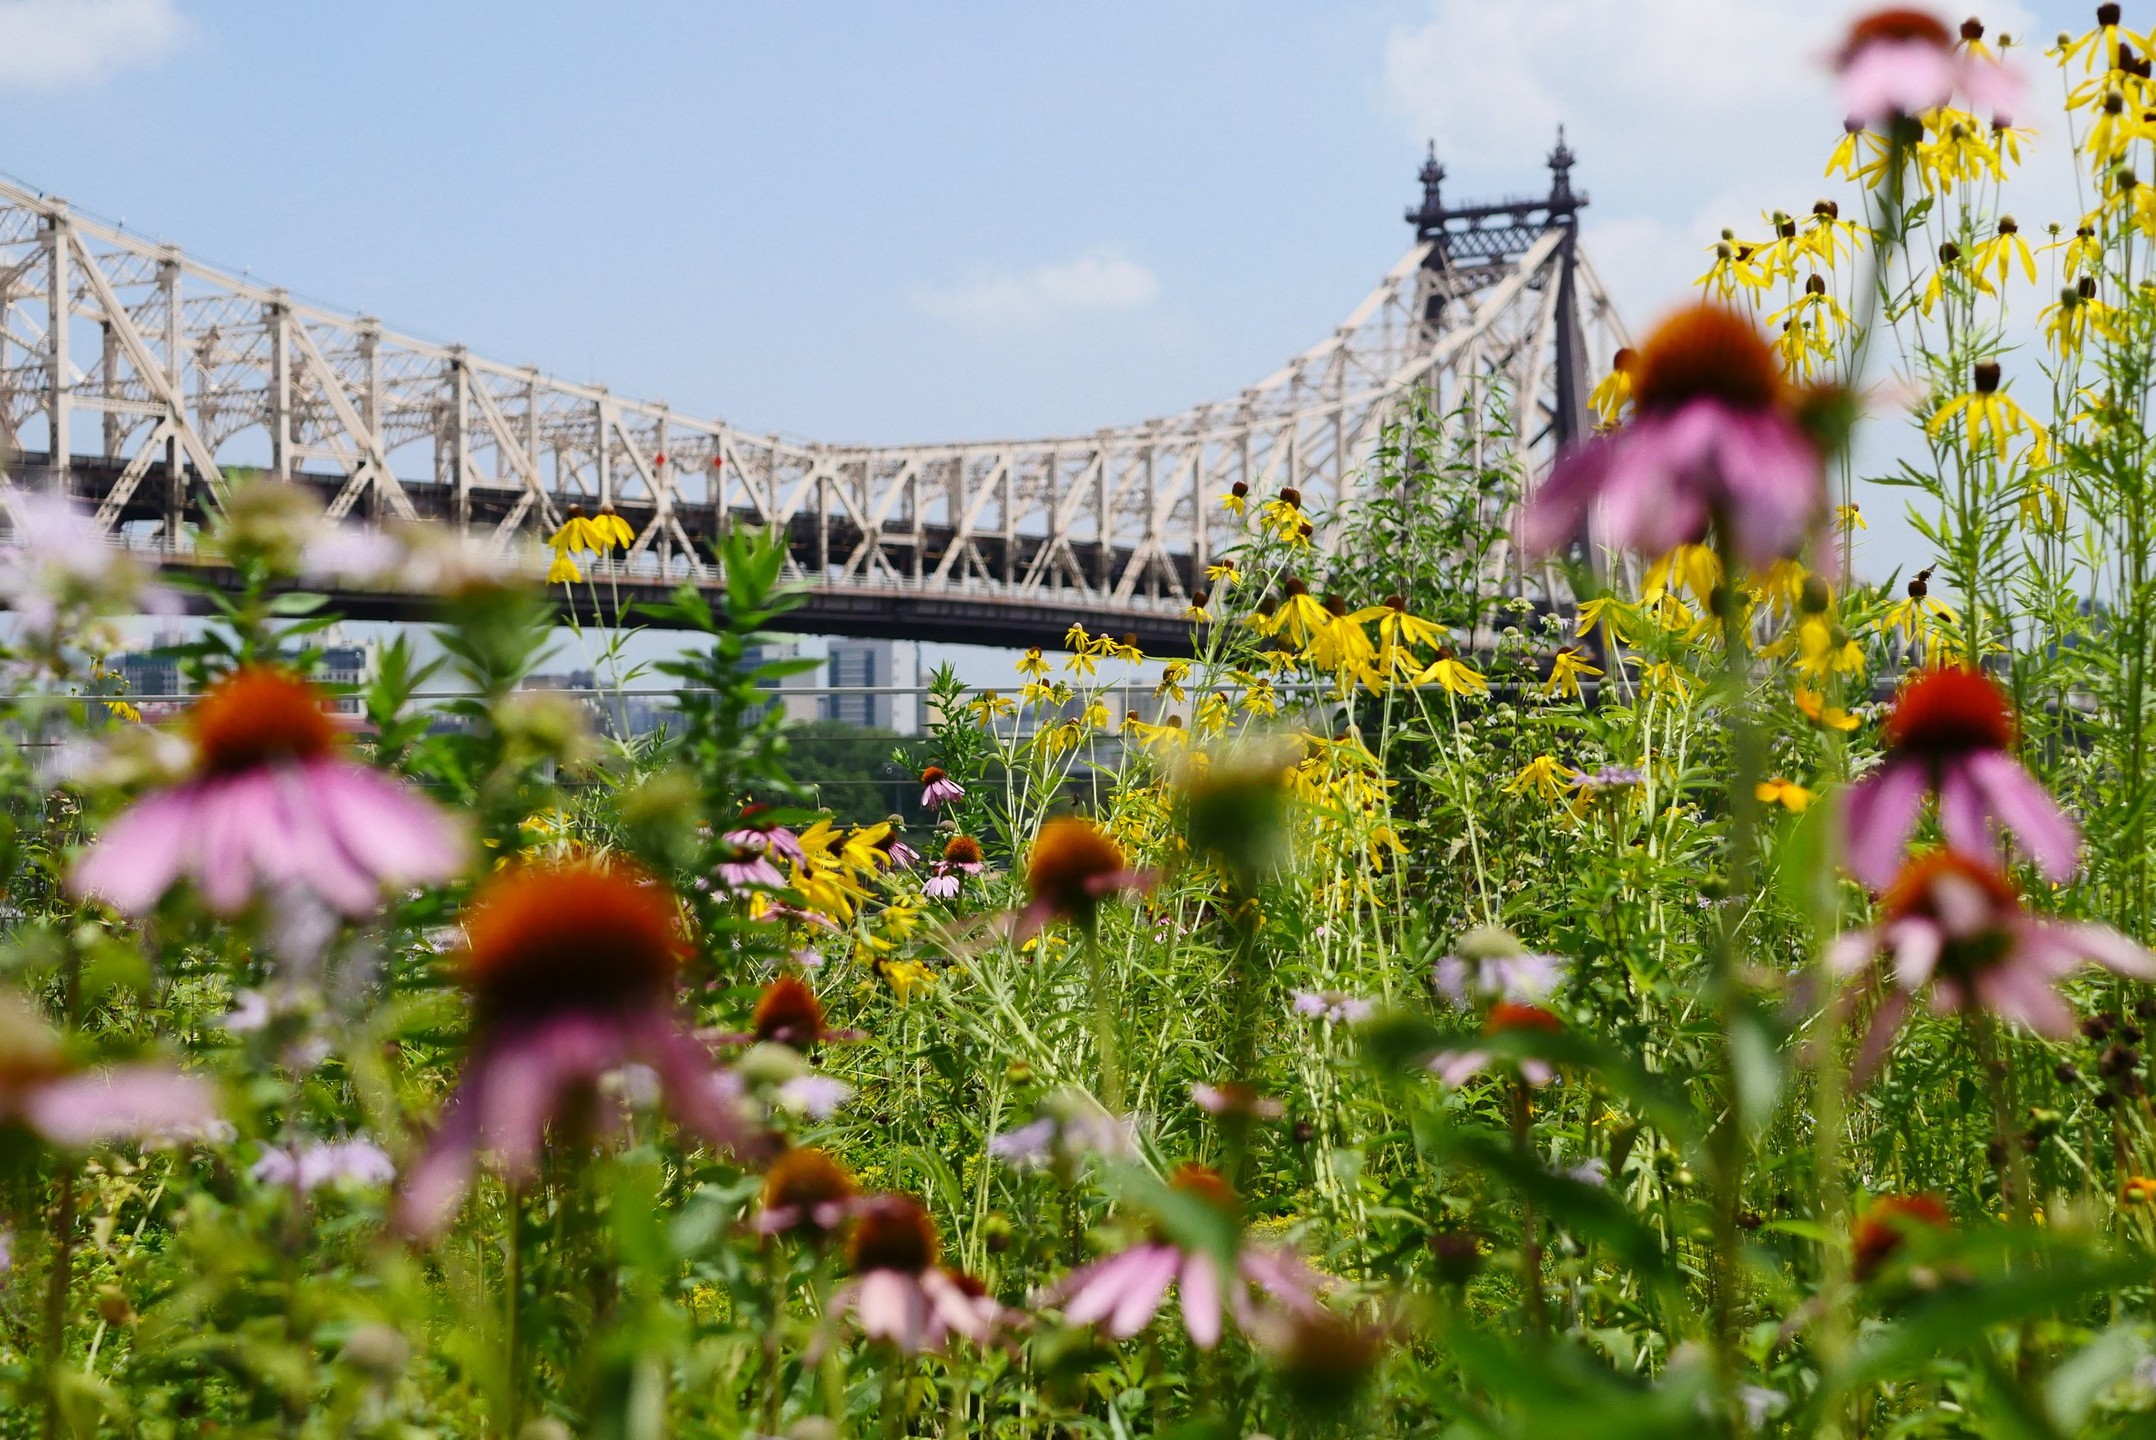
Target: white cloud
{"x":1003,"y":300}
{"x":46,"y":44}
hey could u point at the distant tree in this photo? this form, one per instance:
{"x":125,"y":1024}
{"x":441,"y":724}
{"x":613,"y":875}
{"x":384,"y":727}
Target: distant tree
{"x":854,"y":770}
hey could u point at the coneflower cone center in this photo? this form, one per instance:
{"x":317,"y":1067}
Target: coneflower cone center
{"x":1919,"y":893}
{"x":551,"y":938}
{"x":962,"y":850}
{"x":788,"y":1013}
{"x":1707,"y":352}
{"x":892,"y":1233}
{"x":258,"y":716}
{"x":804,"y":1179}
{"x":1068,"y":855}
{"x":1948,"y":712}
{"x":1896,"y":26}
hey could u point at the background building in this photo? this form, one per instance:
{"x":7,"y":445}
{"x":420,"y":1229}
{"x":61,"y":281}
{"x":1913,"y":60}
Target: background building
{"x":869,"y":665}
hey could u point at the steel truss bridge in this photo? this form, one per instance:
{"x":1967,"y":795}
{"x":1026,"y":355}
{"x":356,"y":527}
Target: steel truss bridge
{"x":144,"y":381}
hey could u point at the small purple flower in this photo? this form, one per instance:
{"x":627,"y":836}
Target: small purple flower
{"x":311,"y":1166}
{"x":1333,"y":1006}
{"x":1489,"y":965}
{"x":942,"y":884}
{"x":814,"y":1095}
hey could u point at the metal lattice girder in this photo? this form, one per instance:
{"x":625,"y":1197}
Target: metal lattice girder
{"x":193,"y":374}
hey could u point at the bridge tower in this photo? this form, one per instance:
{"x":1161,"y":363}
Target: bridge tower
{"x":1506,"y":293}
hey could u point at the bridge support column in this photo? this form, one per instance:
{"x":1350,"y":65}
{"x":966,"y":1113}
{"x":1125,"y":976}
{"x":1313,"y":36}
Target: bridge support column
{"x":60,"y":391}
{"x":168,"y":283}
{"x":276,"y":316}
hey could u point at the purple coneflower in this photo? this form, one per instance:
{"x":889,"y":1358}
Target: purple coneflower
{"x":1950,"y":733}
{"x":1898,"y":63}
{"x":1232,"y":1099}
{"x":765,"y":837}
{"x":274,"y":804}
{"x":942,"y":884}
{"x":1957,"y":924}
{"x":1070,"y":1126}
{"x":938,"y":788}
{"x":572,"y":973}
{"x":1712,"y":443}
{"x":1126,"y":1290}
{"x":1456,"y":1067}
{"x":897,"y":854}
{"x":898,"y":1292}
{"x":1072,"y":868}
{"x":807,"y":1194}
{"x":788,"y":1013}
{"x":42,"y":1092}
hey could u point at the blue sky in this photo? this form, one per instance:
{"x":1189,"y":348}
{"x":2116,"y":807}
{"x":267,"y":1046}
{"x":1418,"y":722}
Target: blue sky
{"x":855,"y":221}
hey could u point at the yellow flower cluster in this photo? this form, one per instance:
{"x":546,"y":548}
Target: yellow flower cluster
{"x":1335,"y":641}
{"x":582,"y":534}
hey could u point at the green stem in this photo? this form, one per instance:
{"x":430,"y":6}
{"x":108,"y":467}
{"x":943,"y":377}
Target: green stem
{"x":1523,"y":1145}
{"x":58,"y":1281}
{"x":1104,"y":1022}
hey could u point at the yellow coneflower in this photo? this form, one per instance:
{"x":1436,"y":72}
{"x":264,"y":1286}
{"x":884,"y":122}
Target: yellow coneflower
{"x":1567,"y":667}
{"x":1453,"y":675}
{"x":1541,"y":776}
{"x":1786,"y":793}
{"x":1614,"y":392}
{"x":1814,"y":707}
{"x":1989,"y":416}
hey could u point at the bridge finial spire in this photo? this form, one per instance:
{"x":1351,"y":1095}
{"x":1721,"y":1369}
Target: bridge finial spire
{"x":1429,"y":217}
{"x":1561,"y":160}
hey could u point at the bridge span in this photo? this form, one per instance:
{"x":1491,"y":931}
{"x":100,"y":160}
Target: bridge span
{"x":142,"y":381}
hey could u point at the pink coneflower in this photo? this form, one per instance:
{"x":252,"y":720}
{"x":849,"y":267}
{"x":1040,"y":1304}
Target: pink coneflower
{"x":572,"y":973}
{"x":1950,"y":732}
{"x":963,"y":853}
{"x":1712,"y":444}
{"x":42,"y":1092}
{"x":898,"y":1292}
{"x":1125,"y":1291}
{"x":274,"y":805}
{"x":748,"y":868}
{"x":765,"y":837}
{"x":897,"y":854}
{"x":1232,"y":1099}
{"x":938,"y":788}
{"x":1885,"y":1227}
{"x":941,"y":884}
{"x":807,"y":1194}
{"x":788,"y":1013}
{"x":1957,"y":924}
{"x":1072,"y":868}
{"x":1455,"y":1067}
{"x":1900,"y":62}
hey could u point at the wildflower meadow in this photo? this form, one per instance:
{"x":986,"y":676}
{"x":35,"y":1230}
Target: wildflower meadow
{"x":1713,"y":1003}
